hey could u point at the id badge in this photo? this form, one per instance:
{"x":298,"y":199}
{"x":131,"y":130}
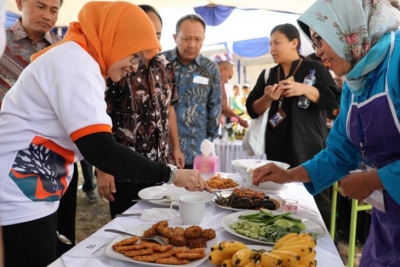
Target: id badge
{"x":277,"y":118}
{"x":366,"y":164}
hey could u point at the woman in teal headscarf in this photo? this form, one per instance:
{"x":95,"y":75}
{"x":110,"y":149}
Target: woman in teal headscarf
{"x":359,"y":39}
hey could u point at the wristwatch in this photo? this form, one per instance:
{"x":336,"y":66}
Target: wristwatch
{"x":172,"y":176}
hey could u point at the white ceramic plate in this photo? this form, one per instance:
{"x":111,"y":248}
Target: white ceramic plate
{"x":169,"y":190}
{"x":274,"y":197}
{"x":139,"y":230}
{"x":311,"y":226}
{"x":239,"y":181}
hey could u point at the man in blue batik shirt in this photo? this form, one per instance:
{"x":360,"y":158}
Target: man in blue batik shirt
{"x":199,"y":88}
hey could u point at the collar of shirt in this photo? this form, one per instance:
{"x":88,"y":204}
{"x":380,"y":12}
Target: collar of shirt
{"x":19,"y":33}
{"x":174,"y":57}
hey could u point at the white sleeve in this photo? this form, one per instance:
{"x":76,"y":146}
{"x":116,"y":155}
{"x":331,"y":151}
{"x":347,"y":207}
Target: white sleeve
{"x":77,"y":96}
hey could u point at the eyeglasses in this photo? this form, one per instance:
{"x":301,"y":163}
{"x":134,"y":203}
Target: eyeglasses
{"x":138,"y":59}
{"x":316,"y":42}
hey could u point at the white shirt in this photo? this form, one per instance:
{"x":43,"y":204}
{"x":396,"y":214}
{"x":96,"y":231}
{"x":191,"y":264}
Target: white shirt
{"x":57,"y":99}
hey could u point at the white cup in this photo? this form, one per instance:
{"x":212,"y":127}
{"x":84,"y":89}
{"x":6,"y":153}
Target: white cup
{"x":191,"y":208}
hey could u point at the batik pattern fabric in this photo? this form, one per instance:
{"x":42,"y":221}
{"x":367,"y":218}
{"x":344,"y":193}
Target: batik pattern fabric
{"x":139,"y":106}
{"x":200,"y":102}
{"x":17,"y":54}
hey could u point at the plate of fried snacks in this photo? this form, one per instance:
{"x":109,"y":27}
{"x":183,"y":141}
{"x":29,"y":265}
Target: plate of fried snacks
{"x":188,"y":245}
{"x":218,"y":183}
{"x":248,"y":199}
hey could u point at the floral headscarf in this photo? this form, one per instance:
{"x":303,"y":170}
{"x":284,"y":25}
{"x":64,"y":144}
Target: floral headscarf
{"x":353,"y":28}
{"x":110,"y":31}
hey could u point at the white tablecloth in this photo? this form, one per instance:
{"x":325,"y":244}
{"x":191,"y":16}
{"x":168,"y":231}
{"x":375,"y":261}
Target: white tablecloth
{"x":90,"y":252}
{"x":228,"y":151}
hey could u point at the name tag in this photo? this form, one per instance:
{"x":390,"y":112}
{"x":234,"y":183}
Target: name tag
{"x":200,"y":80}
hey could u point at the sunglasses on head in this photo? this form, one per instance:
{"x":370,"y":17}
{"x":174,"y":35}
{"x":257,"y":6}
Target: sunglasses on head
{"x":316,"y":42}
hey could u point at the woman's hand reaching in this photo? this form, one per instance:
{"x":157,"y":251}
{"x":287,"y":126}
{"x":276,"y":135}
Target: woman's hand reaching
{"x":191,"y":180}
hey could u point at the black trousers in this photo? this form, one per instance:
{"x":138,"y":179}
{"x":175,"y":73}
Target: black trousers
{"x":324,"y":203}
{"x":66,"y":215}
{"x":31,"y":244}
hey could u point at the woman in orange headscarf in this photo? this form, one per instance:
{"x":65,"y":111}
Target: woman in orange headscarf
{"x":56,"y":114}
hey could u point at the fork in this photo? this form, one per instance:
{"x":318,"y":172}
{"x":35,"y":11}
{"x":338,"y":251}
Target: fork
{"x":156,"y":238}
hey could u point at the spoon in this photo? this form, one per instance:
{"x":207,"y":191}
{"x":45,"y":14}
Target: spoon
{"x":150,"y":199}
{"x":63,"y":239}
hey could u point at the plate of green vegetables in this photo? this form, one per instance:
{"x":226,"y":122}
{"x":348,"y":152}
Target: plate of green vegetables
{"x":266,"y":226}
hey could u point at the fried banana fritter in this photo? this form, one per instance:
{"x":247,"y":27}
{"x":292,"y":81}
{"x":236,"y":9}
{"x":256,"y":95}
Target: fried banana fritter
{"x":178,"y":250}
{"x":128,"y":248}
{"x":190,"y":256}
{"x":179,"y":230}
{"x":199,"y":242}
{"x":153,"y":229}
{"x":152,"y":258}
{"x":178,"y":240}
{"x":140,"y":252}
{"x":208,"y":234}
{"x":127,"y":242}
{"x":173,"y":261}
{"x":193,"y":231}
{"x":165,"y":231}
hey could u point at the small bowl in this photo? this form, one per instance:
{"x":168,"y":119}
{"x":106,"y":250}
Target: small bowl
{"x":271,"y":186}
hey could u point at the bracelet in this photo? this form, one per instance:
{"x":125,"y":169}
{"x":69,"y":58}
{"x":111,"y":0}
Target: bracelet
{"x":173,"y":173}
{"x":176,"y":178}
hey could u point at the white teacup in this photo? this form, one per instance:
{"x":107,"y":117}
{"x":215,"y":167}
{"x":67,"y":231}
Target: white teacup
{"x":191,"y":208}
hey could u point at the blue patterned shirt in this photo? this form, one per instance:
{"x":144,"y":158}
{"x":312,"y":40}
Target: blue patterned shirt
{"x":199,"y":106}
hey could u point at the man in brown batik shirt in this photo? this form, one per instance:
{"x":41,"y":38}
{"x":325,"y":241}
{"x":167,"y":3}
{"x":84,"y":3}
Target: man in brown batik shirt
{"x":143,"y":117}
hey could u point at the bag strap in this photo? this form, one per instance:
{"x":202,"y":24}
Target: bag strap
{"x":266,"y":75}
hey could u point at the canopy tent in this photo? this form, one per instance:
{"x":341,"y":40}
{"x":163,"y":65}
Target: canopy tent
{"x":241,"y":32}
{"x":71,"y":8}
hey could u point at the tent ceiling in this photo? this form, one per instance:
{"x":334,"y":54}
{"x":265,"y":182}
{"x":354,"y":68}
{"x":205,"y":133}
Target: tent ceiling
{"x":71,"y":8}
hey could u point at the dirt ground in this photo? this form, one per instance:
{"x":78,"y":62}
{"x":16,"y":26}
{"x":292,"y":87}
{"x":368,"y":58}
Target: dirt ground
{"x":91,"y":217}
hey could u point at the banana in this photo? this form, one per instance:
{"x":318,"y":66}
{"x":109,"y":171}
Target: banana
{"x":310,"y":243}
{"x":303,"y":250}
{"x":242,"y":257}
{"x":227,"y":263}
{"x":230,"y":247}
{"x":258,"y":264}
{"x":270,"y":260}
{"x":215,"y":247}
{"x":250,"y":264}
{"x":313,"y":263}
{"x":312,"y":255}
{"x":217,"y":257}
{"x":309,"y":261}
{"x":289,"y":258}
{"x":285,"y":239}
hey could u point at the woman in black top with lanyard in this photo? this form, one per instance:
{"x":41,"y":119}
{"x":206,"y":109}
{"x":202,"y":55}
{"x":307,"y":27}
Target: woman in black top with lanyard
{"x":299,"y":133}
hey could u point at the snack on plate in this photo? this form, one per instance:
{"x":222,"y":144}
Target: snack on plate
{"x":190,"y":245}
{"x":218,"y":182}
{"x":246,"y":198}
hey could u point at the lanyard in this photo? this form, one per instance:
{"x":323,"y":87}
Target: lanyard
{"x":361,"y":128}
{"x":279,"y":77}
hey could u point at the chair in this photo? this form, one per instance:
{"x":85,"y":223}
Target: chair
{"x":355,"y":208}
